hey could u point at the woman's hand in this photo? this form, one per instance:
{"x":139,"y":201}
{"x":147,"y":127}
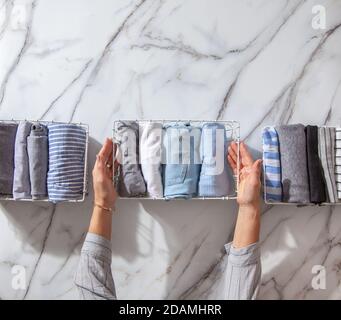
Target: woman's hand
{"x":249,"y":176}
{"x":102,"y":173}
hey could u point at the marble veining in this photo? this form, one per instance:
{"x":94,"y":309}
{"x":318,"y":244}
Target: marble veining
{"x":255,"y":61}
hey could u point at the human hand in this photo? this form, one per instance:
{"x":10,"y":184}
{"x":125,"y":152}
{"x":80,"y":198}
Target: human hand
{"x":249,"y":176}
{"x":102,"y":173}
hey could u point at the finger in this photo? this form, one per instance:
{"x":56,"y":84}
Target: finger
{"x":232,"y":163}
{"x":234,"y":147}
{"x":110,"y":165}
{"x":232,"y":154}
{"x":257,"y":167}
{"x":110,"y":161}
{"x":106,"y":150}
{"x":245,"y":155}
{"x":114,"y":149}
{"x":235,"y":150}
{"x":99,"y":162}
{"x":116,"y":162}
{"x":111,"y":155}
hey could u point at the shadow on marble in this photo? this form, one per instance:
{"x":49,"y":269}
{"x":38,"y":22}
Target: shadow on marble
{"x":195,"y":233}
{"x":59,"y":228}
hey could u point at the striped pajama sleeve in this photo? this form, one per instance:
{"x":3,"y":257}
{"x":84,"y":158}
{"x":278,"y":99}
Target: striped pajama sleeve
{"x":326,"y":141}
{"x":65,"y":178}
{"x":94,"y":279}
{"x":243,"y":272}
{"x":338,"y":161}
{"x":271,"y":165}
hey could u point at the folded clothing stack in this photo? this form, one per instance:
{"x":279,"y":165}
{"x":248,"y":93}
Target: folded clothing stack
{"x":65,"y":178}
{"x":42,"y":162}
{"x":38,"y":155}
{"x":172,"y":160}
{"x":181,"y":171}
{"x":338,"y":161}
{"x":7,"y":141}
{"x":300,"y":164}
{"x":272,"y":165}
{"x":131,"y":182}
{"x":151,"y":157}
{"x":214,"y":178}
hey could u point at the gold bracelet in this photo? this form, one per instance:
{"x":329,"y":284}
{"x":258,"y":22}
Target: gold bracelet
{"x":104,"y":208}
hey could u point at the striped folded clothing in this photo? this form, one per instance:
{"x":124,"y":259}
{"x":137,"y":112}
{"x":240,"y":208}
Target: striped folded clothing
{"x":338,"y":162}
{"x":326,"y":140}
{"x":272,"y":165}
{"x":67,"y":146}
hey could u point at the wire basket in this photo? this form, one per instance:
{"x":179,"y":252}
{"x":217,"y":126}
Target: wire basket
{"x":232,"y":131}
{"x":296,"y":204}
{"x":85,"y":184}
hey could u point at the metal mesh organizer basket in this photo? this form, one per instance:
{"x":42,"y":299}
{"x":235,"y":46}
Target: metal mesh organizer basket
{"x":297,"y":204}
{"x":85,"y":185}
{"x":232,"y":133}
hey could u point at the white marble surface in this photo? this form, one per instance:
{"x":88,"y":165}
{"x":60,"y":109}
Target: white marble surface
{"x":255,"y":61}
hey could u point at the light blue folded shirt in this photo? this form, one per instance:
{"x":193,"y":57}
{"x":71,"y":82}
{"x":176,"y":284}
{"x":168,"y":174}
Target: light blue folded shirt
{"x":181,"y":158}
{"x":215,"y":178}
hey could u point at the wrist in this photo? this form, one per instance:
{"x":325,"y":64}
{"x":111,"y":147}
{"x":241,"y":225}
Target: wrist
{"x":104,"y":202}
{"x":101,"y":208}
{"x":250,"y":208}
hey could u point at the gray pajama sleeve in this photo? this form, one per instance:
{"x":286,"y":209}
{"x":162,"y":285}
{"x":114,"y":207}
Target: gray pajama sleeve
{"x":243,"y":272}
{"x":93,"y":277}
{"x":95,"y":282}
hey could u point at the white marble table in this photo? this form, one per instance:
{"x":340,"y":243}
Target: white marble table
{"x":258,"y":62}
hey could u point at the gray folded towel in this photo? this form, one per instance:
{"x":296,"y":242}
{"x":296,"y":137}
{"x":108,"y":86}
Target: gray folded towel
{"x":7,"y":140}
{"x":131,"y":182}
{"x":21,"y":180}
{"x":37,"y":149}
{"x":294,"y":172}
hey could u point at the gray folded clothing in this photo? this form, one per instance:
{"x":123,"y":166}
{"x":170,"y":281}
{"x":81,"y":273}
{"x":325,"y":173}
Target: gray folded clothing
{"x":37,"y":149}
{"x":21,"y":180}
{"x":131,"y":182}
{"x":7,"y":141}
{"x":294,"y":172}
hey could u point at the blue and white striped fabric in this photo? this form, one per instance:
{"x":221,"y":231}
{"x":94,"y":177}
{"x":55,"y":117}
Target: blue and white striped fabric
{"x":272,"y":165}
{"x":65,"y":178}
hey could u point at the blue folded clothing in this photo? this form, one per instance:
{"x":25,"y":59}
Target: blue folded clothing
{"x":67,"y":146}
{"x":272,"y":165}
{"x":181,"y":168}
{"x":215,"y":178}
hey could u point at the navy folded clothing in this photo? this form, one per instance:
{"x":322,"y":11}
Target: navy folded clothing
{"x":317,"y":185}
